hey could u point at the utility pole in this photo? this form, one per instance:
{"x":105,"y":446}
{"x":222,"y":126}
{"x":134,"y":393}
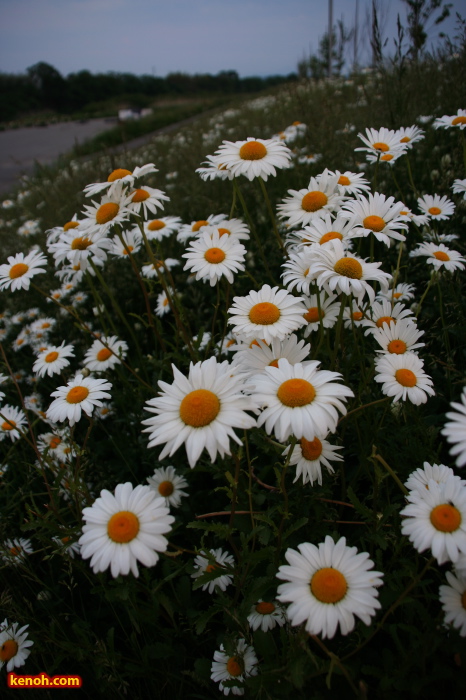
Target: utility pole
{"x":330,"y":36}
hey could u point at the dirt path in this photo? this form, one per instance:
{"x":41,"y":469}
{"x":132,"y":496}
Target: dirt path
{"x":21,"y":148}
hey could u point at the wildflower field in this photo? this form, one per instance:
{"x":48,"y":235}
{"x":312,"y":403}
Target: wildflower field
{"x":233,"y":403}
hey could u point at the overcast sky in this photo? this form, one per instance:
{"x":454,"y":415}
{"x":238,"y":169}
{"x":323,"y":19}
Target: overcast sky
{"x":253,"y":37}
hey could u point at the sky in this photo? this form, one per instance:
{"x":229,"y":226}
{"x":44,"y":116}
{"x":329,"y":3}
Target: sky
{"x":253,"y":37}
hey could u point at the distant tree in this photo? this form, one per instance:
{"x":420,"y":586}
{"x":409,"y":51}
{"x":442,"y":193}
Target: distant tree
{"x":50,"y":84}
{"x":316,"y":66}
{"x":419,"y":12}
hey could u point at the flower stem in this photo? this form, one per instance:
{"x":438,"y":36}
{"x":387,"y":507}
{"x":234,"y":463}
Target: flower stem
{"x":272,"y":216}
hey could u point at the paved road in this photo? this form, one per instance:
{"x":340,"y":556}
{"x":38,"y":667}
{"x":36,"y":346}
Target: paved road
{"x":21,"y":148}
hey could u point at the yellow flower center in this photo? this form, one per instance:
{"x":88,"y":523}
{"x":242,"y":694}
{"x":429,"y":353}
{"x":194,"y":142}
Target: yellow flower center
{"x":252,"y":150}
{"x":381,"y":146}
{"x":398,"y":347}
{"x":199,"y":224}
{"x":70,"y":224}
{"x":77,"y":394}
{"x":264,"y":313}
{"x":54,"y":442}
{"x":166,"y":488}
{"x":51,"y":357}
{"x":274,"y":363}
{"x":8,"y":650}
{"x":15,"y":551}
{"x":313,"y":201}
{"x":118,"y":174}
{"x":296,"y":392}
{"x":8,"y":425}
{"x":18,"y":270}
{"x":140,"y":196}
{"x":199,"y":408}
{"x":387,"y":157}
{"x":405,"y":139}
{"x":104,"y":354}
{"x":397,"y":295}
{"x":440,"y":255}
{"x":435,"y":211}
{"x":374,"y":223}
{"x":384,"y":319}
{"x":156,"y":225}
{"x":445,"y":518}
{"x":405,"y":377}
{"x":328,"y":585}
{"x":214,"y":256}
{"x":123,"y":526}
{"x":81,"y":243}
{"x":106,"y":212}
{"x":265,"y":608}
{"x":312,"y":315}
{"x":343,"y":180}
{"x":311,"y":449}
{"x":224,"y":232}
{"x":211,"y":567}
{"x":348,"y":267}
{"x":233,"y":663}
{"x":128,"y":249}
{"x":458,"y":120}
{"x":165,"y":302}
{"x":330,"y":236}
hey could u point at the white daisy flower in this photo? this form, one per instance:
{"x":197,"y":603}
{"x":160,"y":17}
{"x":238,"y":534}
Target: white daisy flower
{"x":66,"y":546}
{"x":267,"y":314}
{"x":168,"y":484}
{"x":378,"y":215}
{"x":218,"y":561}
{"x":328,"y":586}
{"x":76,"y":248}
{"x":252,"y":358}
{"x":53,"y":234}
{"x":130,"y":242}
{"x":445,"y":122}
{"x":399,"y":337}
{"x":335,"y":270}
{"x":163,"y":306}
{"x":455,"y":430}
{"x":409,"y":135}
{"x":119,"y":177}
{"x":199,"y":411}
{"x":419,"y":479}
{"x":234,"y":669}
{"x":326,"y":229}
{"x":57,"y":445}
{"x":53,"y":359}
{"x":80,"y":394}
{"x":439,"y":256}
{"x":299,"y":400}
{"x":436,"y":519}
{"x":15,"y":552}
{"x":105,"y":354}
{"x":146,"y":199}
{"x":20,"y":269}
{"x":124,"y":528}
{"x":384,"y":313}
{"x":212,"y":256}
{"x":214,"y":170}
{"x":403,"y":377}
{"x":104,"y":411}
{"x":266,"y":615}
{"x":309,"y":158}
{"x":453,"y":599}
{"x":327,"y":315}
{"x":310,"y":455}
{"x":352,"y":183}
{"x":14,"y":645}
{"x":459,"y":187}
{"x":319,"y":198}
{"x":234,"y":228}
{"x":418,"y":219}
{"x":191,"y":230}
{"x":381,"y":143}
{"x":11,"y":418}
{"x":150,"y":271}
{"x":157,"y":229}
{"x":435,"y":207}
{"x":296,"y":271}
{"x":402,"y":292}
{"x":253,"y":157}
{"x":113,"y":209}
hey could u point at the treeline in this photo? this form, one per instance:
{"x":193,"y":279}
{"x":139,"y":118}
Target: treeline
{"x":44,"y":88}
